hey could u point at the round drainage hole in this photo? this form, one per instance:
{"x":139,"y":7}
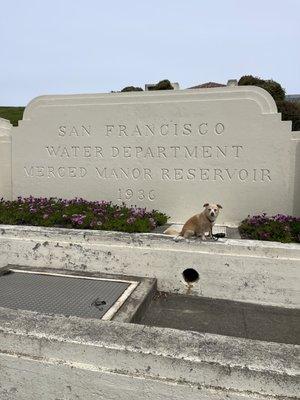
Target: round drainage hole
{"x":190,"y":275}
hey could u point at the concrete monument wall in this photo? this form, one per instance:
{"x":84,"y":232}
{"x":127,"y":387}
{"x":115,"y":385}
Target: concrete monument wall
{"x":5,"y":159}
{"x":169,"y":150}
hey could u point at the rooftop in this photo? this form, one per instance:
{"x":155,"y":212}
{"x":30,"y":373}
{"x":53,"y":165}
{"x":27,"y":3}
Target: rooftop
{"x":208,"y":85}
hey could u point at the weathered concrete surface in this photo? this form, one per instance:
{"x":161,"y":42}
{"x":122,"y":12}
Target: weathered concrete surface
{"x":240,"y":270}
{"x":223,"y":317}
{"x":54,"y":357}
{"x":71,"y":381}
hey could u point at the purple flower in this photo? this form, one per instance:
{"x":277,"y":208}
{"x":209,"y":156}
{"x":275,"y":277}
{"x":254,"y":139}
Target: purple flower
{"x":96,"y":213}
{"x":138,"y":212}
{"x":78,"y":219}
{"x":264,"y":235}
{"x":131,"y":220}
{"x":152,"y":223}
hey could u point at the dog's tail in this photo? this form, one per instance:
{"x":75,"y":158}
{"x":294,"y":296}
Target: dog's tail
{"x":172,"y":232}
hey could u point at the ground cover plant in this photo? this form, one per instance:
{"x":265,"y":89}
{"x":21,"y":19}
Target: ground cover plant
{"x":79,"y":214}
{"x":278,"y":228}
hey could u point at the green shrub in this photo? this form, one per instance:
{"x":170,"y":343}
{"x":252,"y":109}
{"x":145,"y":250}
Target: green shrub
{"x":273,"y":87}
{"x":13,"y":114}
{"x":250,"y":80}
{"x":162,"y":85}
{"x":278,"y":228}
{"x":132,"y":89}
{"x":79,"y":214}
{"x":290,"y":112}
{"x":295,"y":229}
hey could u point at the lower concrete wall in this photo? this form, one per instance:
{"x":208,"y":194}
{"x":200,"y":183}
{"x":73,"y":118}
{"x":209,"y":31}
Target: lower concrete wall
{"x":240,"y":270}
{"x":58,"y":358}
{"x":58,"y":381}
{"x":62,"y":381}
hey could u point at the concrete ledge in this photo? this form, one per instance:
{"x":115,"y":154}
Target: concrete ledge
{"x":129,"y":357}
{"x":240,"y":270}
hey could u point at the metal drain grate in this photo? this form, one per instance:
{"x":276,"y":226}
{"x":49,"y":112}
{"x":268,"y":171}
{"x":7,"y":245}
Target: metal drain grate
{"x":48,"y":293}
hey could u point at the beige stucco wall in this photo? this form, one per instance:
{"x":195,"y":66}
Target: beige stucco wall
{"x":169,"y":150}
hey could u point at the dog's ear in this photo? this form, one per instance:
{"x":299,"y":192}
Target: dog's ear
{"x":206,"y":204}
{"x":219,"y":206}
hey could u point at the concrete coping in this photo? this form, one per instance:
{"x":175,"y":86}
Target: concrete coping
{"x":223,"y":350}
{"x":222,"y":246}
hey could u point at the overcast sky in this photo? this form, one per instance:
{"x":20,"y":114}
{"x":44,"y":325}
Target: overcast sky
{"x":88,"y":46}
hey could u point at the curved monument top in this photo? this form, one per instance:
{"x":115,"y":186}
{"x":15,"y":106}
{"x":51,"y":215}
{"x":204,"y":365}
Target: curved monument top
{"x":253,"y":93}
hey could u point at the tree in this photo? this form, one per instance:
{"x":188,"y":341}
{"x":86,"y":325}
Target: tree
{"x":132,"y":89}
{"x":273,"y":87}
{"x":290,"y":111}
{"x":162,"y":85}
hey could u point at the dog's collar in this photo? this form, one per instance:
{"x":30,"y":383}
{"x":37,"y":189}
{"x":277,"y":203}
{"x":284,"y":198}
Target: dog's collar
{"x":211,"y":221}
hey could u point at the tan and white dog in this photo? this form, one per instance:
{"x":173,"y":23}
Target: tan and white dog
{"x":199,"y":224}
